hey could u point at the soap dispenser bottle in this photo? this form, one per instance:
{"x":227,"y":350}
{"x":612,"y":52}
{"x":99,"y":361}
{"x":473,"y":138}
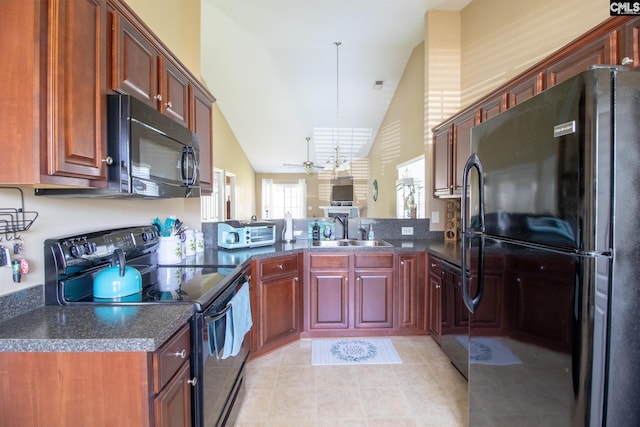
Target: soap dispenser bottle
{"x":315,"y":231}
{"x":371,"y":235}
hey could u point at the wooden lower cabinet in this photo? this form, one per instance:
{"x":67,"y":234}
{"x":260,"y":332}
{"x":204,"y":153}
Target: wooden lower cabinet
{"x":98,"y":389}
{"x":350,"y":294}
{"x":373,"y":299}
{"x":327,"y":294}
{"x":411,"y":291}
{"x":434,"y":298}
{"x":276,"y":303}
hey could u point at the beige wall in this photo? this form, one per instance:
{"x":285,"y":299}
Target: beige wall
{"x":400,"y":138}
{"x":229,"y":156}
{"x":466,"y":55}
{"x":502,"y":38}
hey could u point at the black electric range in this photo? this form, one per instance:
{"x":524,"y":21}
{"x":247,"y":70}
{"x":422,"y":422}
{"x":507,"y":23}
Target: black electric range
{"x":72,"y":263}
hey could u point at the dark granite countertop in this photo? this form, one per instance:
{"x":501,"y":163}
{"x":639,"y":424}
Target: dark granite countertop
{"x":93,"y":328}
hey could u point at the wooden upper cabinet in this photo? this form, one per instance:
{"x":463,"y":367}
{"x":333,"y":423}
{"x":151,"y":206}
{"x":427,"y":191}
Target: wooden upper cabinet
{"x":525,"y":89}
{"x":76,"y":139}
{"x":452,"y":147}
{"x":174,"y":90}
{"x":493,"y":107}
{"x":134,"y":69}
{"x":461,"y":147}
{"x":631,"y":48}
{"x":139,"y":69}
{"x":442,"y":161}
{"x":201,"y":123}
{"x":602,"y":51}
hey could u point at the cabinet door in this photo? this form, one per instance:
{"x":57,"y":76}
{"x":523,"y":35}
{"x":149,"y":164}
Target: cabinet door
{"x":410,"y":291}
{"x":526,"y":89}
{"x":172,"y":406}
{"x":442,"y":161}
{"x":329,"y":299}
{"x":493,"y":107}
{"x":202,"y":125}
{"x":461,"y":147}
{"x":135,"y":62}
{"x":174,"y":90}
{"x":280,"y":315}
{"x":631,"y":49}
{"x":434,"y":287}
{"x":373,"y":298}
{"x":76,"y":110}
{"x":602,"y":51}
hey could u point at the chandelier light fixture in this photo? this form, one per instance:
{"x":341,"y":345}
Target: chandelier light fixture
{"x":339,"y":162}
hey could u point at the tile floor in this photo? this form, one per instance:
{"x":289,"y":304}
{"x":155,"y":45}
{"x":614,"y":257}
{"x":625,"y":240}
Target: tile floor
{"x":284,"y":389}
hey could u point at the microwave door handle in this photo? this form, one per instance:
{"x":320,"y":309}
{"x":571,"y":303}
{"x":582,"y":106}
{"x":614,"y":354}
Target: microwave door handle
{"x":188,"y":153}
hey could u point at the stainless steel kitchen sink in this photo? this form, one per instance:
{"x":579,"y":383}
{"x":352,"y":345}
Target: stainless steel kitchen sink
{"x":350,"y":243}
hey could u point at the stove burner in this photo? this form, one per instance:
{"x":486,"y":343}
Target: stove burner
{"x":155,"y":294}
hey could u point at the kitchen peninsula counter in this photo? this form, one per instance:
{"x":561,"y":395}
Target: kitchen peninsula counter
{"x":145,"y":327}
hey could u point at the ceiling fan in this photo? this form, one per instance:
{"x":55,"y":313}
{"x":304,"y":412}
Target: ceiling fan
{"x":308,"y":164}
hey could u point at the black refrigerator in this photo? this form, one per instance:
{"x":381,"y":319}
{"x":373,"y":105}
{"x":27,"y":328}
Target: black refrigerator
{"x":550,"y":212}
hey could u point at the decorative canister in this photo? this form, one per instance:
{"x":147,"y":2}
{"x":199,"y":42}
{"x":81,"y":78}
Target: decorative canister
{"x":199,"y":241}
{"x":189,"y":243}
{"x":170,"y":250}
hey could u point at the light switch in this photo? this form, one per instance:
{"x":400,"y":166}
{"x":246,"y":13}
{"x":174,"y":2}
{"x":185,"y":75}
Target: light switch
{"x":407,"y":231}
{"x":435,"y":217}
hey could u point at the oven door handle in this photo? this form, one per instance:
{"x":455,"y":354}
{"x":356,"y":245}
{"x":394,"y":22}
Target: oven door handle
{"x":217,"y":316}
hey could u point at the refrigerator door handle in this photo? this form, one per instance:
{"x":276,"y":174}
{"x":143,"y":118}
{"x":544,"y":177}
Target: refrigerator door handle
{"x":472,"y":302}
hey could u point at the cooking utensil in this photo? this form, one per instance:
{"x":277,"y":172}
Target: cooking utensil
{"x":118,"y":280}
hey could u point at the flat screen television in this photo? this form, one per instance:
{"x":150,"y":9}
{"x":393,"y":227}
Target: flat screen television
{"x":342,"y":195}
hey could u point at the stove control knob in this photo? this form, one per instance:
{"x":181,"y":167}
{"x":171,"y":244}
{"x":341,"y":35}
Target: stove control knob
{"x":149,"y":236}
{"x":76,"y":251}
{"x":89,"y":248}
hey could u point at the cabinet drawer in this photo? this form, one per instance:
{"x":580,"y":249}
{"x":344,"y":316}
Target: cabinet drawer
{"x":435,"y":265}
{"x":373,"y":260}
{"x":168,"y":359}
{"x":279,"y":266}
{"x":329,"y":261}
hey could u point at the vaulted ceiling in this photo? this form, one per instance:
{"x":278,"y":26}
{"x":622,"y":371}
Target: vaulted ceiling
{"x":279,"y":78}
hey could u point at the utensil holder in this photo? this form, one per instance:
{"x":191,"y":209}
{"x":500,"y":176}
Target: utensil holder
{"x":170,"y":250}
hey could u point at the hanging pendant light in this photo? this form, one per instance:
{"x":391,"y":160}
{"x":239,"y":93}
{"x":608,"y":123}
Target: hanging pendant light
{"x":338,"y":163}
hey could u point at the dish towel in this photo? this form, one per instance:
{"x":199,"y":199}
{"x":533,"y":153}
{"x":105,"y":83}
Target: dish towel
{"x":239,"y":322}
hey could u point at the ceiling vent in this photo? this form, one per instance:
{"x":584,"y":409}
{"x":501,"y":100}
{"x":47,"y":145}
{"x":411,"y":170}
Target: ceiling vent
{"x":378,"y":84}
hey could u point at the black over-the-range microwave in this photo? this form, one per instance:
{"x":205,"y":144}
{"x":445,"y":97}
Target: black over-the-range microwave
{"x":148,"y":155}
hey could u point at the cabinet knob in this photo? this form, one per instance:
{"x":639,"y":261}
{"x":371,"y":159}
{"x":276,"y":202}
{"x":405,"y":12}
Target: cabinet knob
{"x":108,"y":160}
{"x":158,"y":97}
{"x":168,"y":104}
{"x":433,"y":265}
{"x":437,"y":286}
{"x":401,"y":262}
{"x":626,"y":61}
{"x":281,"y":267}
{"x":193,"y":381}
{"x":181,"y":354}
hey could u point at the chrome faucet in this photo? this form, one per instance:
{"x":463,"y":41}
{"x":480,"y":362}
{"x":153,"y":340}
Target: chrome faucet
{"x":344,"y":220}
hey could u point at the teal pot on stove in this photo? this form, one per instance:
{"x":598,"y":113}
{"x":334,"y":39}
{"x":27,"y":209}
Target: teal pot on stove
{"x":118,"y":280}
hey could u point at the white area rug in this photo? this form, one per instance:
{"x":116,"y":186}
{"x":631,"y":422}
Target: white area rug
{"x":488,"y":350}
{"x":353,"y":351}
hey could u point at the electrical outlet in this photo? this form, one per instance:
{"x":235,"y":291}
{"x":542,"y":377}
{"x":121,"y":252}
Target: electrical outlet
{"x":435,"y":217}
{"x":407,"y":231}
